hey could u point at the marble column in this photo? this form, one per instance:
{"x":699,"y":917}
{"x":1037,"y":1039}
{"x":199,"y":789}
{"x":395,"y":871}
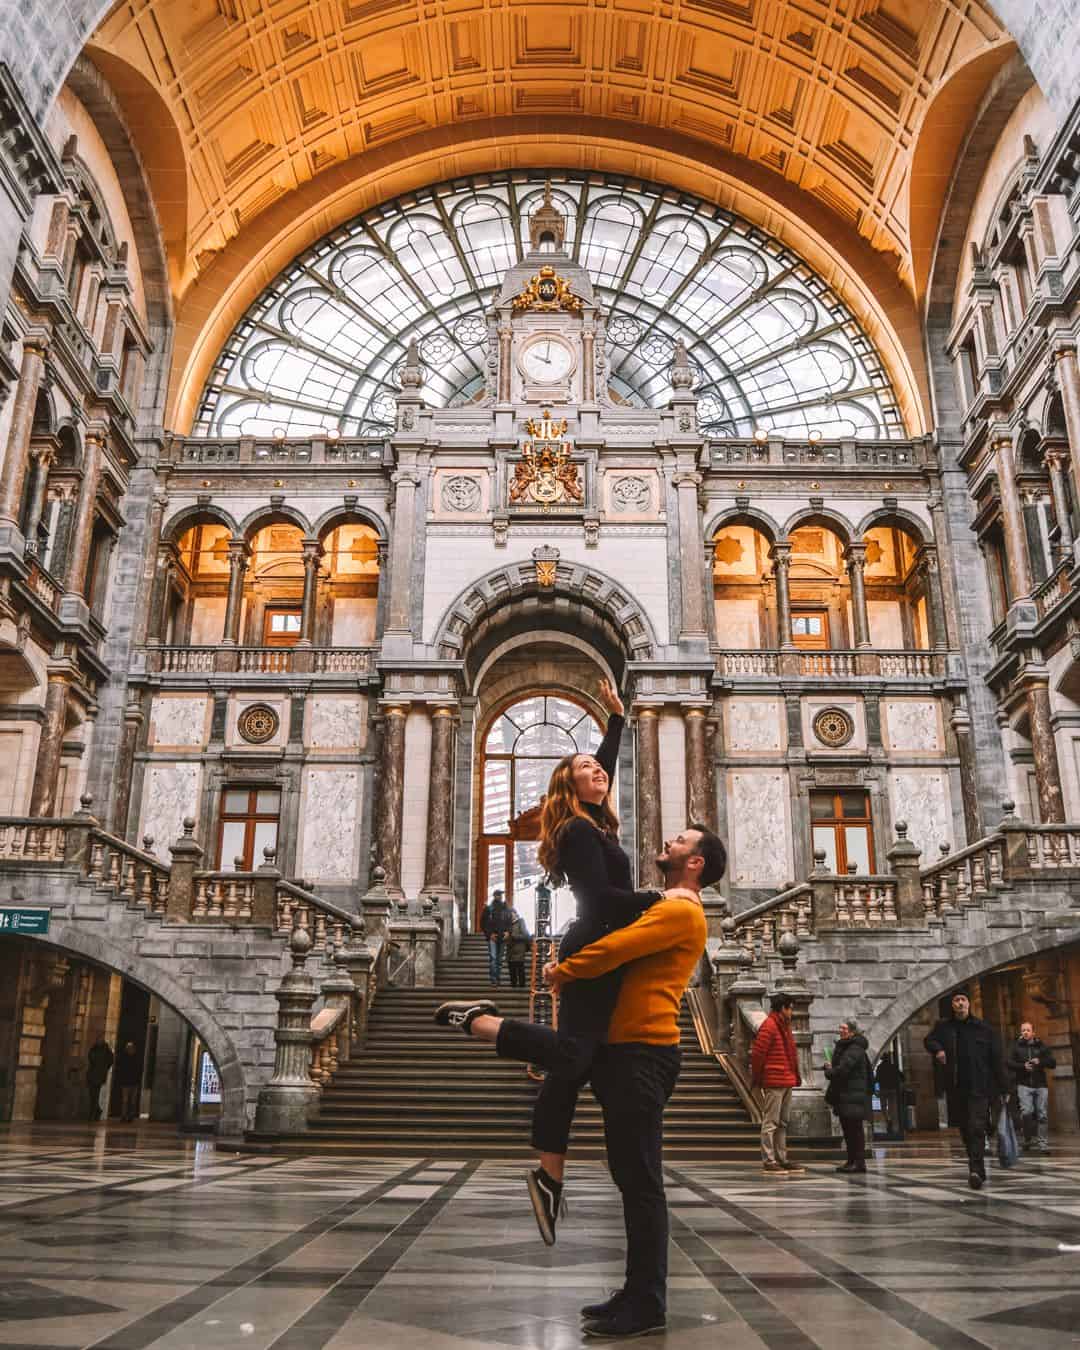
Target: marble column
{"x":691,"y":555}
{"x":83,"y":528}
{"x":1016,"y":552}
{"x":238,"y":551}
{"x":855,"y":561}
{"x":505,"y":336}
{"x":382,"y":589}
{"x":42,"y":459}
{"x":1055,"y":467}
{"x":312,"y":554}
{"x":22,"y":420}
{"x":648,"y":796}
{"x":1068,"y":375}
{"x":588,"y":367}
{"x":440,"y":804}
{"x":117,"y":820}
{"x":700,"y":778}
{"x":155,"y":567}
{"x":1044,"y":750}
{"x":960,"y":721}
{"x":935,"y":600}
{"x":390,"y":795}
{"x":50,"y":746}
{"x":780,"y":557}
{"x":399,"y":616}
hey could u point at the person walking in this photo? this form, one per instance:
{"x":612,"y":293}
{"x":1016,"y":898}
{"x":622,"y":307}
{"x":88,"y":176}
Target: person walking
{"x":495,"y":925}
{"x":99,"y":1061}
{"x":851,"y":1078}
{"x":969,"y":1057}
{"x":774,"y":1068}
{"x":518,"y":942}
{"x":890,"y":1085}
{"x":579,"y":846}
{"x":129,"y":1065}
{"x":1029,"y":1060}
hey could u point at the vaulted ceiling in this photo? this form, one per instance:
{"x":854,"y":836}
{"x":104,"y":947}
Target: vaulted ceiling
{"x":821,"y":106}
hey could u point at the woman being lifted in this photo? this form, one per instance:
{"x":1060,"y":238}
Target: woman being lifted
{"x":579,"y":847}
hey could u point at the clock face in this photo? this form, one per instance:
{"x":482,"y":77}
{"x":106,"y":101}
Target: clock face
{"x":547,"y":360}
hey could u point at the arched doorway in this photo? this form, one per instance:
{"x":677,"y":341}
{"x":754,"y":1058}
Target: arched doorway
{"x":520,"y":746}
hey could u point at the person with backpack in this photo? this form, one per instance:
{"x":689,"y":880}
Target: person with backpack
{"x":851,"y":1083}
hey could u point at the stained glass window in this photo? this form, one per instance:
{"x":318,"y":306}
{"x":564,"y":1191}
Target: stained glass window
{"x":773,"y":348}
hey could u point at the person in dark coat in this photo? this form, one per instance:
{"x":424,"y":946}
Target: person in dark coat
{"x":851,"y":1079}
{"x":1029,"y":1060}
{"x":495,"y":922}
{"x":129,"y":1066}
{"x":967,"y":1052}
{"x":518,"y":942}
{"x":99,"y":1061}
{"x":890,"y":1086}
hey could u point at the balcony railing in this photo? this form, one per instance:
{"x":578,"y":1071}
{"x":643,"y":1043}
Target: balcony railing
{"x":831,"y":665}
{"x":1053,"y":590}
{"x":262,"y":660}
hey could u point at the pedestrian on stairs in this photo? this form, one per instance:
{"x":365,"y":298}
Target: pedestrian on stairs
{"x":579,"y":847}
{"x":518,"y":942}
{"x":635,"y":1069}
{"x":495,"y":924}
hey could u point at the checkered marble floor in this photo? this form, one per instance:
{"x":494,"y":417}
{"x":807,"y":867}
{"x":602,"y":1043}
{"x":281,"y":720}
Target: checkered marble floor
{"x":129,"y":1239}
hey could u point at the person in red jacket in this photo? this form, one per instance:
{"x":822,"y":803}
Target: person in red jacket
{"x":774,"y":1068}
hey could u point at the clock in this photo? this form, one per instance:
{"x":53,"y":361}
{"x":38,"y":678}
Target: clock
{"x":547,"y":360}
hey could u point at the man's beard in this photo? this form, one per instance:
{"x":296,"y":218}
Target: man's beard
{"x":666,"y":865}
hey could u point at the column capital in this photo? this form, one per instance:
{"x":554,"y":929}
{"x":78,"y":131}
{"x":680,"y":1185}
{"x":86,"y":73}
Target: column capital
{"x":446,"y":710}
{"x":687,"y":478}
{"x":855,"y":554}
{"x":402,"y":477}
{"x":694,"y":710}
{"x":1062,"y":349}
{"x":42,"y":454}
{"x":780,"y":553}
{"x":312,"y":549}
{"x":395,"y":709}
{"x":37,"y":342}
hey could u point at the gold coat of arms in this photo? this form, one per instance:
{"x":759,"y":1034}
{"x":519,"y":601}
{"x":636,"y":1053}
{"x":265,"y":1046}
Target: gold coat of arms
{"x":544,"y":475}
{"x":546,"y":292}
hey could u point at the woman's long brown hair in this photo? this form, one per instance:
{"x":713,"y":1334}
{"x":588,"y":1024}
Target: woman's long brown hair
{"x":562,"y":805}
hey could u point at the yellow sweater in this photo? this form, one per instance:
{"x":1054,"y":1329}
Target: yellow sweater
{"x":661,"y":951}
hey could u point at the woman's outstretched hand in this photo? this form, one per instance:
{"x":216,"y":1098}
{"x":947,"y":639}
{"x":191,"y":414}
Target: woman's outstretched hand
{"x":609,"y":697}
{"x":552,"y":978}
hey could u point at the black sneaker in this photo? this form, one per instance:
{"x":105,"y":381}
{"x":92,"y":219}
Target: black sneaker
{"x":592,"y":1311}
{"x":623,"y":1326}
{"x":975,"y":1180}
{"x":460,"y":1013}
{"x":548,"y":1204}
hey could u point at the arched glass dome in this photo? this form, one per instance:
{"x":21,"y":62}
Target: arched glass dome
{"x":773,"y":347}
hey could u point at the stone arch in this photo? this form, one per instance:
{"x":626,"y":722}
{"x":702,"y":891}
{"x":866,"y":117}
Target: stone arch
{"x":1054,"y":418}
{"x":744,"y":515}
{"x":818,"y":515}
{"x":272,"y":515}
{"x":70,"y":935}
{"x":893,"y":515}
{"x":581,"y":593}
{"x":1031,"y":942}
{"x":350,"y":515}
{"x":188,"y":516}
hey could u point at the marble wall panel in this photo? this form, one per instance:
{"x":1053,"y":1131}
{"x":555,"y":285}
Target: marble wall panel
{"x":208,"y":620}
{"x":738,"y":623}
{"x":672,"y":774}
{"x":354,"y":622}
{"x":760,"y":827}
{"x":886,"y":625}
{"x":415,"y":800}
{"x":179,"y":721}
{"x":170,"y":792}
{"x":17,"y":753}
{"x":912,"y":724}
{"x":336,"y":723}
{"x":754,"y":725}
{"x":329,"y":811}
{"x":921,"y":798}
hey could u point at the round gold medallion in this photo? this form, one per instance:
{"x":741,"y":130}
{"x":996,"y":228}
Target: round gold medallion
{"x":258,"y":723}
{"x":834,"y":727}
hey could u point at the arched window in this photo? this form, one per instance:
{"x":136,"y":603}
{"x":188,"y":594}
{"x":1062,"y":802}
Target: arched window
{"x":521,"y":748}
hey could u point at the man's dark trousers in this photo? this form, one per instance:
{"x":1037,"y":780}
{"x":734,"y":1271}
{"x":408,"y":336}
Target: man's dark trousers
{"x":969,"y":1115}
{"x":633,"y":1082}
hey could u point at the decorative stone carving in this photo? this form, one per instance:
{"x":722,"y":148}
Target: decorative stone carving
{"x":834,"y":727}
{"x":547,"y":562}
{"x":258,"y":723}
{"x":631,"y":495}
{"x":461,"y":493}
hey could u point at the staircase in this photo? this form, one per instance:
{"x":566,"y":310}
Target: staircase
{"x":416,"y":1090}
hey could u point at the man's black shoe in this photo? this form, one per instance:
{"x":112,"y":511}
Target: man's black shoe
{"x":975,"y":1180}
{"x":591,"y":1311}
{"x":547,"y":1202}
{"x":623,"y":1327}
{"x":460,"y":1013}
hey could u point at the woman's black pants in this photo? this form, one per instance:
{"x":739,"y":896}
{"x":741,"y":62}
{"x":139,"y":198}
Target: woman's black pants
{"x":855,"y":1140}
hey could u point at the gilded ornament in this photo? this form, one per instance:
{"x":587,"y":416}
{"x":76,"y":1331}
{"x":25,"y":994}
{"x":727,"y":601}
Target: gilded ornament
{"x":544,"y":476}
{"x":546,"y":293}
{"x":834,"y":727}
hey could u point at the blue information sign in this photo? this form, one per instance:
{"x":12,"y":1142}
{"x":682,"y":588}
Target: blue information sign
{"x":24,"y":920}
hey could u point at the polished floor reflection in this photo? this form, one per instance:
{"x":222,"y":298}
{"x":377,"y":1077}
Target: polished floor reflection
{"x":126,"y":1239}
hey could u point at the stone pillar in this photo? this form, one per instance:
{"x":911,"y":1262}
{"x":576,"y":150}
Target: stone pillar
{"x":1055,"y":467}
{"x":935,"y":599}
{"x":83,"y":527}
{"x":285,"y":1104}
{"x":700,"y":778}
{"x":1016,"y":553}
{"x":1044,"y":750}
{"x":960,"y":721}
{"x":125,"y":761}
{"x":238,"y":551}
{"x":47,"y":974}
{"x":810,"y":1117}
{"x":1068,"y":374}
{"x":51,"y":744}
{"x":390,"y":787}
{"x":42,"y":459}
{"x":399,"y":616}
{"x":691,"y":555}
{"x":155,"y":566}
{"x":904,"y":864}
{"x":648,"y":796}
{"x":505,"y":336}
{"x":440,"y":822}
{"x":13,"y":474}
{"x":780,"y":557}
{"x":312,"y":554}
{"x":186,"y":856}
{"x":855,"y":561}
{"x":588,"y":367}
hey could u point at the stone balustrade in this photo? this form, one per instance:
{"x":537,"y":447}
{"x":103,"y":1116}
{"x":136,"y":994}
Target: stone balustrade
{"x":1052,"y":847}
{"x":327,"y":1034}
{"x":964,"y":878}
{"x":832,"y":665}
{"x":262,"y":660}
{"x":228,"y":896}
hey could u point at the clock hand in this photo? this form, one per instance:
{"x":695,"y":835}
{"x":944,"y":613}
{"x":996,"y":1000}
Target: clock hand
{"x":547,"y":353}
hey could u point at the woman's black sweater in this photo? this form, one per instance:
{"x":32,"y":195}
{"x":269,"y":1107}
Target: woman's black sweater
{"x":596,"y":868}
